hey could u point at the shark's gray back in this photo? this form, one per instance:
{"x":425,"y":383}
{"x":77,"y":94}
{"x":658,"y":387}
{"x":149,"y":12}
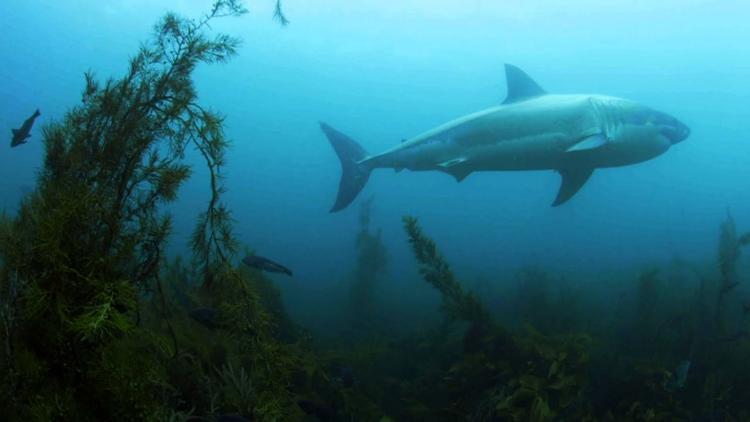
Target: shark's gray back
{"x":516,"y":136}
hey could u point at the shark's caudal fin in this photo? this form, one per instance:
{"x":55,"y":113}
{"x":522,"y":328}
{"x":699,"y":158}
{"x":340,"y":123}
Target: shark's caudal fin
{"x":520,"y":85}
{"x":353,"y":174}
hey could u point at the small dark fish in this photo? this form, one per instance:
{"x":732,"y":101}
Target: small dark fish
{"x":344,"y":375}
{"x":205,"y":316}
{"x":24,"y":132}
{"x":265,"y":264}
{"x":679,"y":376}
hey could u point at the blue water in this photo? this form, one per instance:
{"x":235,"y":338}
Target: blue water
{"x":384,"y":71}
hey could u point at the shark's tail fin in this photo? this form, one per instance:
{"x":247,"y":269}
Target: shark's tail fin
{"x":36,"y":113}
{"x":353,"y":174}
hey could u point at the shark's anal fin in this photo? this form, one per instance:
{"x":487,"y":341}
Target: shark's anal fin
{"x":589,"y":143}
{"x":455,"y":169}
{"x":459,"y":173}
{"x":520,"y":85}
{"x":572,"y":181}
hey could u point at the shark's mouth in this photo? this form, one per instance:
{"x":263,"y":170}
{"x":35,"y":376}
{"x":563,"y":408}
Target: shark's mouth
{"x":675,"y":134}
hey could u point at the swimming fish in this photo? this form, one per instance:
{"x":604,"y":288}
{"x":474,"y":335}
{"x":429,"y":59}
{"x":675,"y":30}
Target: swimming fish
{"x":680,"y":375}
{"x":24,"y":132}
{"x":265,"y":264}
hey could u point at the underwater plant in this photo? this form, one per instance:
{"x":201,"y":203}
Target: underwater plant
{"x":729,"y":251}
{"x":457,"y":304}
{"x":278,"y":14}
{"x":238,"y":386}
{"x":372,"y":261}
{"x":86,"y":251}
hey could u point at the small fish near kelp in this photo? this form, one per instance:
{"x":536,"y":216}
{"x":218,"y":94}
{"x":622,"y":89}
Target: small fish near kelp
{"x":24,"y":132}
{"x":265,"y":264}
{"x":679,"y":376}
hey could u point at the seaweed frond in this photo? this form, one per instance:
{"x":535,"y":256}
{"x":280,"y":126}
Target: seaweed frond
{"x":89,"y":242}
{"x":372,"y":260}
{"x":278,"y":14}
{"x":457,"y":303}
{"x":728,"y":251}
{"x":237,"y":388}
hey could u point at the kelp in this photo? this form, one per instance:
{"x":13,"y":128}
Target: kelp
{"x":278,"y":14}
{"x":660,"y":358}
{"x":497,"y":376}
{"x":89,"y":330}
{"x":372,"y":260}
{"x":729,"y":251}
{"x":457,"y":304}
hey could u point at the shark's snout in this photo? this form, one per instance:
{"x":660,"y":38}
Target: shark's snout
{"x":669,"y":127}
{"x":684,"y":132}
{"x":676,"y":131}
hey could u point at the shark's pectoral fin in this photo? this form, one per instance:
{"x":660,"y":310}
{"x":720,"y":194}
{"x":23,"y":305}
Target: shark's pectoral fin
{"x":455,"y":169}
{"x":572,"y":181}
{"x":589,"y":143}
{"x":14,"y":131}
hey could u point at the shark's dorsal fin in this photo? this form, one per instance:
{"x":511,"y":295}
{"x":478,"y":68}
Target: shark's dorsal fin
{"x":520,"y":85}
{"x":572,"y":181}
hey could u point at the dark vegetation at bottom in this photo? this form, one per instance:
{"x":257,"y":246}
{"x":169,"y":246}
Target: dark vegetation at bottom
{"x":97,"y":324}
{"x":553,"y":353}
{"x":670,"y":345}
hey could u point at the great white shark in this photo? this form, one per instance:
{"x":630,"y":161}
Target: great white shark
{"x":530,"y":130}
